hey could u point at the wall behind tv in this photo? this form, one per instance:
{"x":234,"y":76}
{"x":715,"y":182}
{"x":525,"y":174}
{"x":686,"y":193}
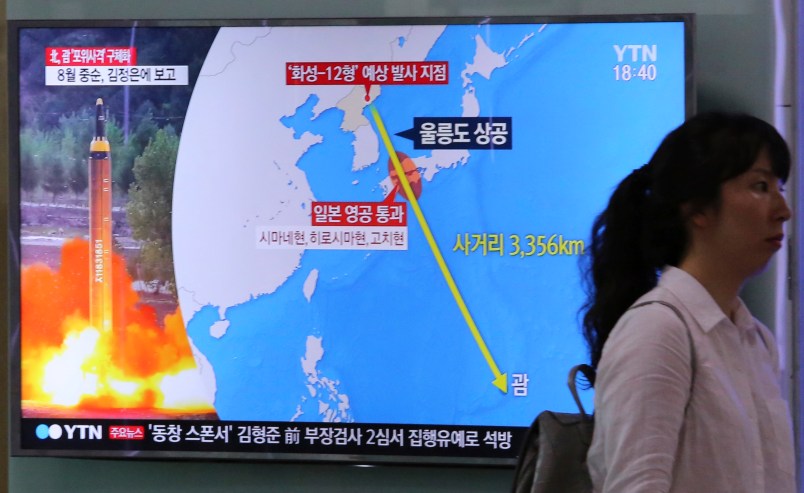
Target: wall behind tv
{"x":734,"y":69}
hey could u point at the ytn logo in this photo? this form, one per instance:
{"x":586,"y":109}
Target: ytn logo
{"x":81,"y":432}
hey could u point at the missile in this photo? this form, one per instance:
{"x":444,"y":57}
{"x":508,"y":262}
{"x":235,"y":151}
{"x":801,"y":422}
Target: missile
{"x":100,"y":225}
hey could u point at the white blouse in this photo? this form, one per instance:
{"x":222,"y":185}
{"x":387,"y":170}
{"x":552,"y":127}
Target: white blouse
{"x":695,"y":410}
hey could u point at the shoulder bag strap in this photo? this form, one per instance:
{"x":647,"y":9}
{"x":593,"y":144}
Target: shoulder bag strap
{"x":686,"y":326}
{"x":588,"y":373}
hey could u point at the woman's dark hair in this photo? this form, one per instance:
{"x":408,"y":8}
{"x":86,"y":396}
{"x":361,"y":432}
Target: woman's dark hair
{"x":643,"y":228}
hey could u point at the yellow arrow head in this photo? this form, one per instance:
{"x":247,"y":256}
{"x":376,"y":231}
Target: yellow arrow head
{"x":501,"y":382}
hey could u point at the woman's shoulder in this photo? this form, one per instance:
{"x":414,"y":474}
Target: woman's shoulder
{"x":657,"y":308}
{"x":656,"y":322}
{"x":660,"y":301}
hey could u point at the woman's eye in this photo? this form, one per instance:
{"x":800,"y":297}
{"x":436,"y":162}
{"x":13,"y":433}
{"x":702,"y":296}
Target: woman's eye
{"x":762,"y":186}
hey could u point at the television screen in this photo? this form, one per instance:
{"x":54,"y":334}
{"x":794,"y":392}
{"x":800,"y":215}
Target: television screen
{"x":341,"y":240}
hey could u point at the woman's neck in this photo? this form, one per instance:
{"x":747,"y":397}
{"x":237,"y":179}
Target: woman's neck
{"x":723,"y":284}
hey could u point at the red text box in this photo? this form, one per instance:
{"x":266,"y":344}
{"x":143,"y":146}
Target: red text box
{"x":359,"y":214}
{"x":126,"y":432}
{"x":88,"y":56}
{"x":366,"y":73}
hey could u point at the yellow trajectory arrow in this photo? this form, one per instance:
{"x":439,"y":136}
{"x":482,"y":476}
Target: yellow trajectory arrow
{"x":500,"y":379}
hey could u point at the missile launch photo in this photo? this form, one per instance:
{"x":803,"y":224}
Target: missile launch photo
{"x":98,"y":340}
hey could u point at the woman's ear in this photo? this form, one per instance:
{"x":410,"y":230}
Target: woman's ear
{"x":698,"y":217}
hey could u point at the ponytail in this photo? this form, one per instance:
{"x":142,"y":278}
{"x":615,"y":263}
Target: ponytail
{"x":620,"y":270}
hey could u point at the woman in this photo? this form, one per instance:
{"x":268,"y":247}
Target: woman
{"x":687,"y":395}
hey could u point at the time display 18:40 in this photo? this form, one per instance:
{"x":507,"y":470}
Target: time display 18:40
{"x":625,"y":72}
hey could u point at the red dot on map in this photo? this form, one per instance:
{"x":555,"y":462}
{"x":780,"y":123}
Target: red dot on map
{"x":411,"y":173}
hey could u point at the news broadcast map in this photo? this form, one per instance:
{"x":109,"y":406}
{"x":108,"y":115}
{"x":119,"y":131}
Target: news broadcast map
{"x":464,"y":311}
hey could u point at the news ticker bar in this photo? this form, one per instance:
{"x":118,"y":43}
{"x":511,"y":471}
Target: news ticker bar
{"x":274,"y":437}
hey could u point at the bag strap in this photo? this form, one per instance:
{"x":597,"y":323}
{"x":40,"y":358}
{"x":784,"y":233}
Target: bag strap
{"x":668,"y":305}
{"x":589,"y":373}
{"x":689,"y":334}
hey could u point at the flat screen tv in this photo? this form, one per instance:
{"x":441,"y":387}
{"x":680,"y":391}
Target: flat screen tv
{"x":351,"y":240}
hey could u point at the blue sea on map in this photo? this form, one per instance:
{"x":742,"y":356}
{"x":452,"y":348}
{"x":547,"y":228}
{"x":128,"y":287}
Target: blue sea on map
{"x":394,"y":339}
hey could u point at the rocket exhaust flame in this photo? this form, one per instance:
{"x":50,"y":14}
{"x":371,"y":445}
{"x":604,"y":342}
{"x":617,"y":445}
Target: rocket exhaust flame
{"x":67,"y":362}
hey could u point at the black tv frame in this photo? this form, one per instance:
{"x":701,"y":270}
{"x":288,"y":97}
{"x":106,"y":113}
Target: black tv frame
{"x":351,"y":456}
